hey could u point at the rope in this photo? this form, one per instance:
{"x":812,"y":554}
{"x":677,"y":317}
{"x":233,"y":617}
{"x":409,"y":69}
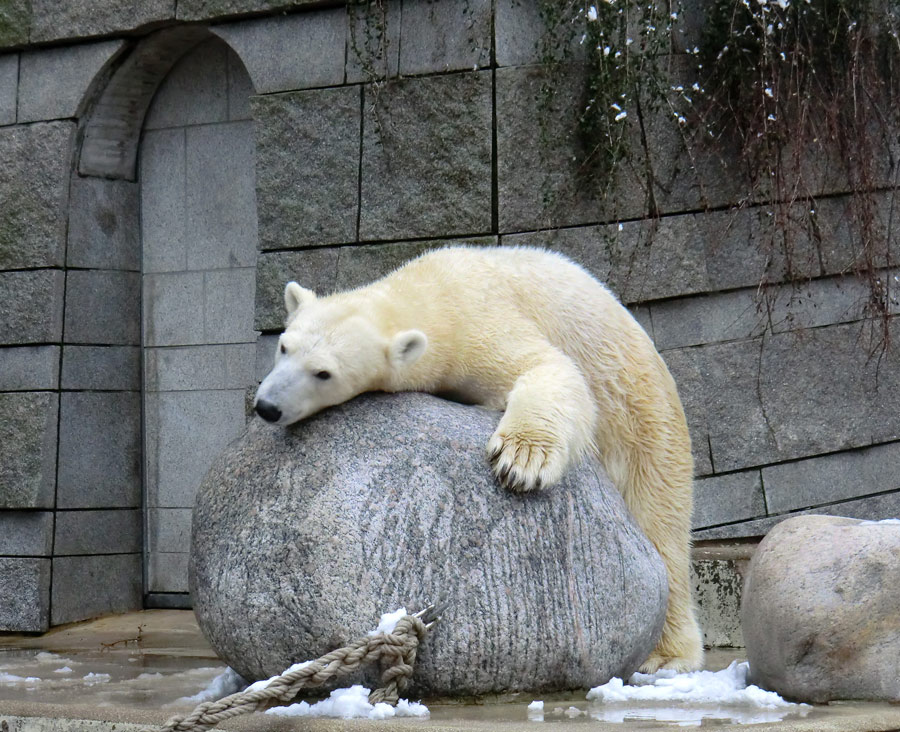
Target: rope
{"x":395,"y":650}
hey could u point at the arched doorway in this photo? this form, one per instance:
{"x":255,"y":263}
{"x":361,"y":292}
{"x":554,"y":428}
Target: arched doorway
{"x":196,"y":170}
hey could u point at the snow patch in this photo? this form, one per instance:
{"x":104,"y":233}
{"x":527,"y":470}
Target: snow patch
{"x":11,"y":679}
{"x":63,"y":670}
{"x":388,"y":622}
{"x":352,"y":703}
{"x":728,"y":686}
{"x":93,"y":678}
{"x":226,"y":683}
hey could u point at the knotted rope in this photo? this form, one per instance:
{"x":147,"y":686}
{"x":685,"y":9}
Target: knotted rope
{"x":395,"y":650}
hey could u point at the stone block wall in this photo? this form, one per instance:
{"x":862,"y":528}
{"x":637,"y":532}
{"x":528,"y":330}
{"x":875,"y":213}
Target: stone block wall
{"x":100,"y":342}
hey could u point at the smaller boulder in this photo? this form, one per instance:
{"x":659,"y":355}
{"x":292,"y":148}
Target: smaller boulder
{"x":821,"y":610}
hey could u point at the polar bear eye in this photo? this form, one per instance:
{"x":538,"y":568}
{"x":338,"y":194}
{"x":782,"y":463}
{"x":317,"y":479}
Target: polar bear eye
{"x":323,"y":375}
{"x":283,"y":349}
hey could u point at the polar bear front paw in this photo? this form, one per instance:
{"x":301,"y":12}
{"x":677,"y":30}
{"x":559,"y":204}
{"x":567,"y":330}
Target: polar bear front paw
{"x":523,"y":462}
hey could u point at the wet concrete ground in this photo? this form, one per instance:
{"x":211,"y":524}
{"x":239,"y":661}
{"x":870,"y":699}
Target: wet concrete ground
{"x":137,"y":668}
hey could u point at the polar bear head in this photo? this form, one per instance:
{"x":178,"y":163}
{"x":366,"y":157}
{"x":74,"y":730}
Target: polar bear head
{"x":332,"y":350}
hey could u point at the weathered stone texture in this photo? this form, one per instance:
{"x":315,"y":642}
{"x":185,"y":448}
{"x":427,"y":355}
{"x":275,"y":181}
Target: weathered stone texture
{"x":34,"y":190}
{"x":54,"y":83}
{"x":426,"y":158}
{"x":28,"y":449}
{"x":830,"y":478}
{"x":728,"y":498}
{"x":15,"y":22}
{"x":399,"y":510}
{"x":167,"y":572}
{"x":83,"y":18}
{"x":289,"y":52}
{"x":101,"y":368}
{"x":229,"y":366}
{"x":445,"y":36}
{"x":26,"y":533}
{"x":104,"y":224}
{"x":685,"y":369}
{"x":99,"y":450}
{"x":373,"y":41}
{"x":202,"y":9}
{"x":24,"y":594}
{"x":308,"y":167}
{"x":315,"y":269}
{"x":103,"y":307}
{"x":717,"y":587}
{"x":9,"y":81}
{"x":85,"y":587}
{"x":821,"y":610}
{"x":98,"y":532}
{"x":541,"y":183}
{"x":29,"y":368}
{"x":31,"y":306}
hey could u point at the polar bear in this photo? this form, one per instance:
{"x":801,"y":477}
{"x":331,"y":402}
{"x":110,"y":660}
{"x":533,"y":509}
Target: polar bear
{"x":529,"y":332}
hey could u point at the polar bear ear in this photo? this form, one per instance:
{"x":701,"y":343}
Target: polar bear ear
{"x":407,"y":347}
{"x":296,"y":297}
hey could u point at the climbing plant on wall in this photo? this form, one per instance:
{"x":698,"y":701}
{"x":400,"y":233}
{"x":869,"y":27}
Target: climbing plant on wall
{"x":800,"y":97}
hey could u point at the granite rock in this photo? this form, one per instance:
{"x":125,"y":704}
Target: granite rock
{"x":821,"y":610}
{"x":303,"y":536}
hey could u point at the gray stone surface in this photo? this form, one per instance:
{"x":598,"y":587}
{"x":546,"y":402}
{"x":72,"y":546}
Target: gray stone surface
{"x":85,"y":587}
{"x":82,"y":18}
{"x":684,"y":366}
{"x":203,"y":9}
{"x":447,"y":35}
{"x":29,"y":368}
{"x":821,"y":610}
{"x":363,"y":264}
{"x":184,"y":432}
{"x":103,"y":307}
{"x":26,"y":533}
{"x":830,"y":478}
{"x":290,"y":52}
{"x":205,"y":218}
{"x":31,"y":306}
{"x":99,"y":450}
{"x":104,"y":224}
{"x":816,"y":405}
{"x":717,"y":589}
{"x":315,"y":269}
{"x":373,"y":41}
{"x":101,"y":368}
{"x":728,"y":498}
{"x":404,"y":511}
{"x":308,"y":167}
{"x":34,"y":188}
{"x":426,"y":158}
{"x":193,"y":308}
{"x":15,"y":22}
{"x":98,"y":532}
{"x":201,"y":76}
{"x":220,"y":205}
{"x":539,"y":175}
{"x":520,"y":32}
{"x":24,"y":594}
{"x":28,"y":424}
{"x":164,"y":223}
{"x":819,"y":302}
{"x":9,"y":80}
{"x":240,"y":88}
{"x":54,"y":83}
{"x":169,"y":530}
{"x":265,"y":354}
{"x":189,"y":368}
{"x":168,"y":572}
{"x":722,"y":317}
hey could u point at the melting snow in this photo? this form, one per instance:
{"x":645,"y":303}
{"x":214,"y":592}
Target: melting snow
{"x":352,"y":703}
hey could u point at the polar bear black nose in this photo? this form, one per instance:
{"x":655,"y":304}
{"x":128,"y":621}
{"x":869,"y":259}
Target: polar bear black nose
{"x":268,"y":411}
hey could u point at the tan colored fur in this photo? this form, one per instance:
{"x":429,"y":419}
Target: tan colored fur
{"x":532,"y":333}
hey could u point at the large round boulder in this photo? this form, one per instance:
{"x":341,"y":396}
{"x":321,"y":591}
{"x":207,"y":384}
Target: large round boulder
{"x":303,"y":536}
{"x":821,"y":610}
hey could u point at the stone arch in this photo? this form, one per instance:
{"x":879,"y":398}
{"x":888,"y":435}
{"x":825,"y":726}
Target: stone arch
{"x":102,"y":450}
